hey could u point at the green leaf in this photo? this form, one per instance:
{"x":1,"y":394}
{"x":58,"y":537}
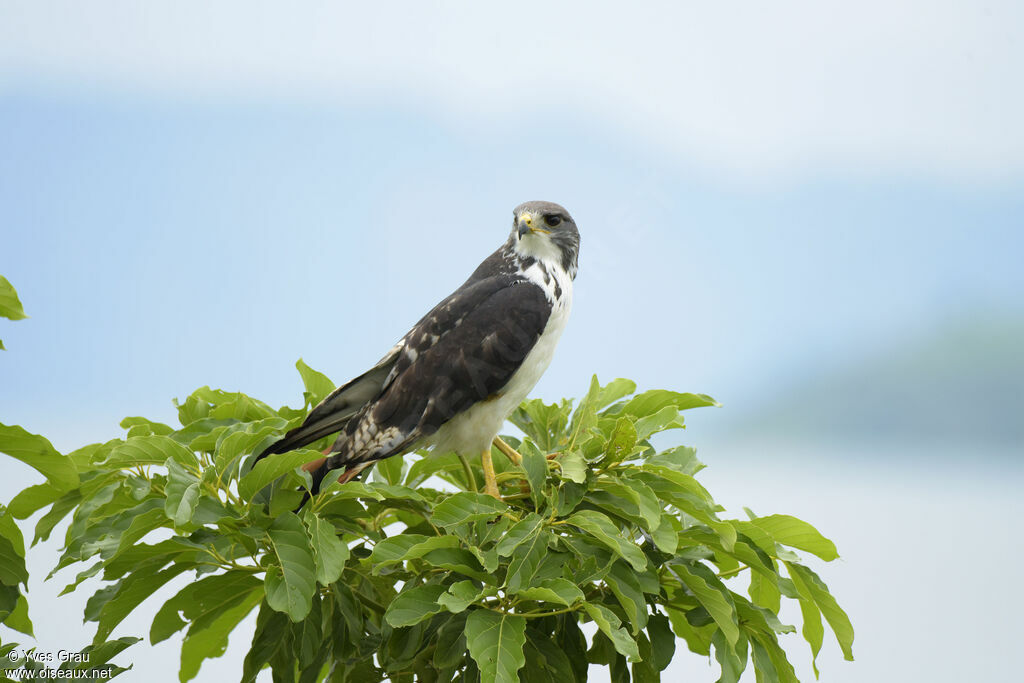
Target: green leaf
{"x":407,"y":547}
{"x":240,"y":440}
{"x":270,"y":468}
{"x":811,"y":587}
{"x":202,"y":599}
{"x":535,"y":464}
{"x":217,"y":403}
{"x":763,"y":667}
{"x":611,"y":626}
{"x":543,"y":423}
{"x":10,"y":304}
{"x":764,"y":592}
{"x":613,"y":391}
{"x":290,"y":584}
{"x":666,"y":418}
{"x":352,"y":489}
{"x":681,"y":459}
{"x":644,"y":671}
{"x":696,"y":636}
{"x":317,"y":384}
{"x":329,"y":553}
{"x":650,"y":402}
{"x":130,"y":594}
{"x":129,"y":558}
{"x":602,"y":529}
{"x":545,"y":661}
{"x":526,"y":561}
{"x":37,"y":452}
{"x":753,"y":618}
{"x":97,"y":658}
{"x":770,"y":658}
{"x":666,"y":536}
{"x":9,"y":596}
{"x":450,"y":652}
{"x":413,"y":605}
{"x":422,"y":469}
{"x":182,"y":493}
{"x":518,"y":533}
{"x":9,"y":530}
{"x":202,"y":433}
{"x":18,"y":619}
{"x":492,"y":531}
{"x":60,"y":509}
{"x":626,"y":587}
{"x":574,"y":467}
{"x":731,"y":657}
{"x":207,"y":637}
{"x":496,"y":642}
{"x":713,"y":597}
{"x":683,"y":482}
{"x":272,"y":628}
{"x":394,"y":548}
{"x":560,"y":591}
{"x":663,"y":641}
{"x":467,"y":506}
{"x":141,"y":426}
{"x":798,"y":534}
{"x":457,"y":560}
{"x":460,"y":595}
{"x":647,"y":504}
{"x":584,"y":418}
{"x":28,"y":501}
{"x":622,"y":440}
{"x":571,"y":641}
{"x":389,"y":470}
{"x":813,"y":631}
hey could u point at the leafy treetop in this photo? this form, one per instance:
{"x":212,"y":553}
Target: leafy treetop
{"x":414,"y":573}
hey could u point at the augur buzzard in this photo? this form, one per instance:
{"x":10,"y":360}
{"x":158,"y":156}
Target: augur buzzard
{"x":465,"y":366}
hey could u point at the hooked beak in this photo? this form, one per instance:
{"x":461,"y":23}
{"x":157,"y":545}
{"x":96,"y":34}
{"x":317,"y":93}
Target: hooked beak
{"x":526,"y":223}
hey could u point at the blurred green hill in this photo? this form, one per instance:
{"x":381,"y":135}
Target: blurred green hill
{"x":960,"y":384}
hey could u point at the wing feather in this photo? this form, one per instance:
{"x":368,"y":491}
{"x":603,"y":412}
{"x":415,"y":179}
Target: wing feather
{"x":334,"y":412}
{"x":466,"y":351}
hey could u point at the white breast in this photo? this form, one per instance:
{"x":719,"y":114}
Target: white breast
{"x":472,"y":431}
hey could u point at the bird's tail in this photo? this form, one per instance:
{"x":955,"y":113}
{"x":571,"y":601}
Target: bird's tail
{"x":318,"y":477}
{"x":320,"y":473}
{"x":317,"y":470}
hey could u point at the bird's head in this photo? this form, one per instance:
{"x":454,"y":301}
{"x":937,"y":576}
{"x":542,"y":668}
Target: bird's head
{"x":545,"y":231}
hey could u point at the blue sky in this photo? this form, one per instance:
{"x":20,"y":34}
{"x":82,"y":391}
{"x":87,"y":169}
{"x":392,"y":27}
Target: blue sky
{"x":161,"y":244}
{"x":203,"y":193}
{"x":772,"y":199}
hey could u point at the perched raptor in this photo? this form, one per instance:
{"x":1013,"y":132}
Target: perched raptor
{"x":465,"y":366}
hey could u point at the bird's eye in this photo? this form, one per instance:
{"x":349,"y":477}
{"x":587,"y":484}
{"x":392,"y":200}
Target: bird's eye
{"x":552,"y":220}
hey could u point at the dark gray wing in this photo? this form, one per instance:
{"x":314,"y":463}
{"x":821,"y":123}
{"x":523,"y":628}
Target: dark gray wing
{"x":462,"y":352}
{"x":333,"y":413}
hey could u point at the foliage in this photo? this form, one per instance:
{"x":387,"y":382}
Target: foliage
{"x":10,"y":305}
{"x":413,"y":573}
{"x":394,"y":579}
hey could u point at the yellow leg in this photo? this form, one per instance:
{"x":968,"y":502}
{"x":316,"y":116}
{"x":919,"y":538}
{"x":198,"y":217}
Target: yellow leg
{"x":509,"y":452}
{"x":490,"y":485}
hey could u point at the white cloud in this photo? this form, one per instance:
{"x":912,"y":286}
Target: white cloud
{"x":755,"y":89}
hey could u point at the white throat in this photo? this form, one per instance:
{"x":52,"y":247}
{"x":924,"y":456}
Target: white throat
{"x":538,"y":247}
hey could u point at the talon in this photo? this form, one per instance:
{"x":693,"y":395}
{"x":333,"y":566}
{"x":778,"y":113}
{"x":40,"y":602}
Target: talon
{"x":510,"y":453}
{"x":490,"y":483}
